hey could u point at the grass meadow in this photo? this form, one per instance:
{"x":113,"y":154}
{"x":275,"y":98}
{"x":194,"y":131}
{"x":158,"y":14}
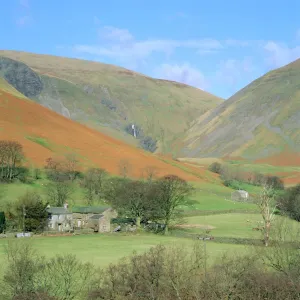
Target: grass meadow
{"x":211,"y":207}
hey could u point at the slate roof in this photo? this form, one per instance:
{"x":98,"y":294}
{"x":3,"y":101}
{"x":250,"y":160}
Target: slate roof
{"x":96,"y":217}
{"x":90,"y":209}
{"x":58,"y":211}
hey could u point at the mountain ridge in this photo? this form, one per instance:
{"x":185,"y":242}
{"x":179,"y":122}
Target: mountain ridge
{"x":111,"y":98}
{"x":44,"y":133}
{"x":259,"y":121}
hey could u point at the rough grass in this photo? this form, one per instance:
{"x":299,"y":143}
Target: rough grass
{"x":103,"y":249}
{"x":21,"y":119}
{"x":212,"y":197}
{"x":260,"y":120}
{"x":41,"y":141}
{"x":162,"y":108}
{"x":5,"y":86}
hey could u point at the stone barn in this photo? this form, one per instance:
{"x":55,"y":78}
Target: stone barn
{"x":240,"y":195}
{"x":93,"y":217}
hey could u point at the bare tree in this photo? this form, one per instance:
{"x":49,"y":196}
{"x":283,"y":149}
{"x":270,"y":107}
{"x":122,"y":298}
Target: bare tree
{"x":58,"y":192}
{"x":11,"y":156}
{"x":23,"y":264}
{"x":55,"y":169}
{"x":124,"y":168}
{"x":65,"y":277}
{"x":30,"y":276}
{"x":150,"y":173}
{"x":266,"y":204}
{"x":71,"y":165}
{"x":93,"y":182}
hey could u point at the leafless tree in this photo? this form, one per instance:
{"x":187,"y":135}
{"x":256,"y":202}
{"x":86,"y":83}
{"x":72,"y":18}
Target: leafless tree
{"x":124,"y":168}
{"x":71,"y":164}
{"x":11,"y":156}
{"x":23,"y":264}
{"x":150,"y":173}
{"x":266,"y":204}
{"x":94,"y":182}
{"x":65,"y":277}
{"x":58,"y":192}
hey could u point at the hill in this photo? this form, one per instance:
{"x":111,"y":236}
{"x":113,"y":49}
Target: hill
{"x":44,"y":133}
{"x":261,"y":121}
{"x":107,"y":97}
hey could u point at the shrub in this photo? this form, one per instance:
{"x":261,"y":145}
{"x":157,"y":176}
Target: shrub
{"x":2,"y":221}
{"x":215,"y":167}
{"x":234,"y":184}
{"x":289,"y":202}
{"x":275,"y":182}
{"x":148,"y":144}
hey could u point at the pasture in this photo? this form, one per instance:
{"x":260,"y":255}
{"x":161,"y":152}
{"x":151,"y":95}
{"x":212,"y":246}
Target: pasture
{"x":226,"y":218}
{"x":103,"y":249}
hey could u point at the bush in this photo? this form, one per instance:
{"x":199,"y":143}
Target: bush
{"x":148,"y":144}
{"x":289,"y":203}
{"x":215,"y":168}
{"x":275,"y":182}
{"x":234,"y":184}
{"x":2,"y":221}
{"x":176,"y":273}
{"x":31,"y":276}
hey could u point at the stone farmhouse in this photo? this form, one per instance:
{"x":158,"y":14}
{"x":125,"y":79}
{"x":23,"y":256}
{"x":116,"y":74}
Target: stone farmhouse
{"x":60,"y":219}
{"x":240,"y":195}
{"x":96,"y":218}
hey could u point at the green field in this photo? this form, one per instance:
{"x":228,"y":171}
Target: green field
{"x":101,"y":250}
{"x":228,"y":219}
{"x":207,"y":196}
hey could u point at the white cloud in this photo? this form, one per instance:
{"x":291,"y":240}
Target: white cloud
{"x":231,"y":71}
{"x":121,"y":45}
{"x":279,"y":54}
{"x":24,"y":3}
{"x":183,"y":73}
{"x":24,"y":20}
{"x":115,"y":34}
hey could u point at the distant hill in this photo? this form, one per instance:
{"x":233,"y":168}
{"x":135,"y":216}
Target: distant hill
{"x":262,"y":120}
{"x":44,"y":133}
{"x":107,"y":97}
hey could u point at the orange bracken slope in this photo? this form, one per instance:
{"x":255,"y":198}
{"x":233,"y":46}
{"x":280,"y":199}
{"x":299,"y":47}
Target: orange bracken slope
{"x":21,"y":119}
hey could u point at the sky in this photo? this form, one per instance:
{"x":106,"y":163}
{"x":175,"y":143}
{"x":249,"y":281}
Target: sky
{"x":218,"y":46}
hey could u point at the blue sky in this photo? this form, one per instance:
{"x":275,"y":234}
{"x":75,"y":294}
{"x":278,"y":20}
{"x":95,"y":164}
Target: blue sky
{"x":219,"y":46}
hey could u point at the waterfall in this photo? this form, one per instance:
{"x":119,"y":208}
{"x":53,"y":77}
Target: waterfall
{"x":133,"y":130}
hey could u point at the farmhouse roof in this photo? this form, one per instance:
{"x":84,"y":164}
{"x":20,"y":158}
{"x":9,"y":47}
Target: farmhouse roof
{"x":96,"y":217}
{"x":90,"y":209}
{"x":58,"y":211}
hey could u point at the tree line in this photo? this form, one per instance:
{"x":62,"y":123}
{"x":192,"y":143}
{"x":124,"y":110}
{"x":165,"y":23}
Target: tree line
{"x":152,"y":199}
{"x":232,"y":176}
{"x":163,"y":272}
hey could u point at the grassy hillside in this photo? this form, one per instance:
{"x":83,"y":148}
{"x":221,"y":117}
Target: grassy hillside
{"x":261,"y":120}
{"x":44,"y":133}
{"x":106,"y":96}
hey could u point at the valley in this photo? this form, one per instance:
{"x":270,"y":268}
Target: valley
{"x":70,"y":121}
